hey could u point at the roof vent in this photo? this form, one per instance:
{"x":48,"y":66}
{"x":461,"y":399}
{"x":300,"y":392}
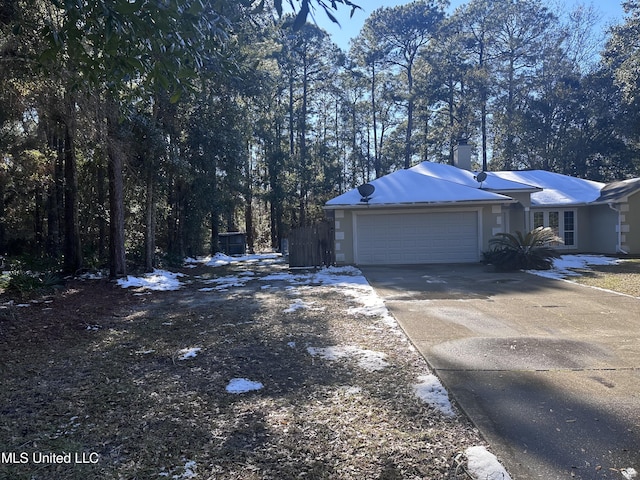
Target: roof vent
{"x":366,"y":191}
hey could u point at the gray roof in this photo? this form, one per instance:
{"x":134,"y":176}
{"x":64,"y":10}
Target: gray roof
{"x":617,"y":191}
{"x":436,"y":183}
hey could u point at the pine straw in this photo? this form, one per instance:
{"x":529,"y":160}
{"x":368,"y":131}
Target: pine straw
{"x":97,"y":369}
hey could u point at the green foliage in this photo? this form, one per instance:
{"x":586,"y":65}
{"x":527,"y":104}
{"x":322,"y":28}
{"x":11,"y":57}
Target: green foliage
{"x":27,"y":282}
{"x":306,"y":7}
{"x":226,"y":120}
{"x":532,"y":251}
{"x":29,"y":274}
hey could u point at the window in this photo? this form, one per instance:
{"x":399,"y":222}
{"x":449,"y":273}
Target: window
{"x":554,"y":222}
{"x":569,"y":228}
{"x":562,"y":222}
{"x":538,"y":219}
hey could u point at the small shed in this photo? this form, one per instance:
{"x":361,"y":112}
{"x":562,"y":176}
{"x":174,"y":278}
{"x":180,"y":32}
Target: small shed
{"x":233,"y":243}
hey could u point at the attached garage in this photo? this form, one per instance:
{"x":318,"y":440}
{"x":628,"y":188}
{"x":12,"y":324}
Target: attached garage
{"x":431,"y":213}
{"x":438,"y":213}
{"x":397,"y":237}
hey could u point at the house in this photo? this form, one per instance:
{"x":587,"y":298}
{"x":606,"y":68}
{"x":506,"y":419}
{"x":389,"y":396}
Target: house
{"x":437,"y":213}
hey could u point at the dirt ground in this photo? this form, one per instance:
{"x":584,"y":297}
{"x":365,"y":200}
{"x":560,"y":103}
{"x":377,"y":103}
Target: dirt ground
{"x":95,"y":385}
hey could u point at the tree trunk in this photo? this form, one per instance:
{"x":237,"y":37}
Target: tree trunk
{"x":215,"y":231}
{"x":377,"y":164}
{"x":408,"y":143}
{"x":248,"y":212}
{"x":38,"y":218}
{"x":3,"y":228}
{"x":117,"y":253}
{"x":55,"y":195}
{"x":72,"y":248}
{"x":102,"y":221}
{"x":150,"y":226}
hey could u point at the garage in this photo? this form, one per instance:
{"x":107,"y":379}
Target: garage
{"x":414,"y":238}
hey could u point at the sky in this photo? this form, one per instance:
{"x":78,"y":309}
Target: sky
{"x":611,"y":11}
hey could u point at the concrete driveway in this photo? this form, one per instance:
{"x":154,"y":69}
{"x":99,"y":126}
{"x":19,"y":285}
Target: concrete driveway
{"x":548,"y":370}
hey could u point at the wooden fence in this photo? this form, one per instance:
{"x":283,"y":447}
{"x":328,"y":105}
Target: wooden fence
{"x":312,"y":246}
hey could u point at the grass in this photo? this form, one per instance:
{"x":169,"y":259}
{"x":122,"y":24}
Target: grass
{"x":623,"y":277}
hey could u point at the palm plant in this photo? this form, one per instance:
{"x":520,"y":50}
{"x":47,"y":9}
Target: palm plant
{"x":532,"y":251}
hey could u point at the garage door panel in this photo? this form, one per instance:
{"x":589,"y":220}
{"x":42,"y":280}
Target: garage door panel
{"x":403,"y":238}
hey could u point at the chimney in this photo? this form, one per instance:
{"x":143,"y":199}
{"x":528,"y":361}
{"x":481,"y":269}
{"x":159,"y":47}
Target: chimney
{"x":462,"y":155}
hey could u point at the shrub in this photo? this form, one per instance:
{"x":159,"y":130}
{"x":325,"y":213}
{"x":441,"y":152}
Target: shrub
{"x":532,"y":251}
{"x":24,"y":283}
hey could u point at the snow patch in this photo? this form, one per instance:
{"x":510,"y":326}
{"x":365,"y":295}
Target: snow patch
{"x":562,"y":266}
{"x":483,"y":465}
{"x":346,"y":280}
{"x":189,"y":471}
{"x":220,"y":259}
{"x":298,"y":304}
{"x":277,"y":277}
{"x":368,"y":360}
{"x":225,"y":283}
{"x":629,"y":473}
{"x":243,"y":385}
{"x":431,"y":391}
{"x":159,"y":280}
{"x":186,"y":353}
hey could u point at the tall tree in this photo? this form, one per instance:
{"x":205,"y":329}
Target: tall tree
{"x":111,"y":43}
{"x":307,"y":61}
{"x":622,"y":57}
{"x":477,"y":22}
{"x":402,"y":32}
{"x":368,"y":52}
{"x":518,"y":47}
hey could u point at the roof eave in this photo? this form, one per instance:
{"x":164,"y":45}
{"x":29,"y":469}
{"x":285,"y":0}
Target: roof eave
{"x":454,"y":203}
{"x":562,"y":205}
{"x":515,"y":190}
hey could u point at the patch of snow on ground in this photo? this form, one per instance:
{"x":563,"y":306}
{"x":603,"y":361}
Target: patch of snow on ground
{"x":276,"y":277}
{"x":220,"y":259}
{"x":225,"y":283}
{"x":189,"y":471}
{"x":298,"y":304}
{"x":483,"y":465}
{"x":186,"y":353}
{"x":562,"y":266}
{"x":350,"y":281}
{"x":629,"y":473}
{"x":431,"y":391}
{"x":92,"y":276}
{"x":368,"y":360}
{"x":159,"y":280}
{"x":243,"y":385}
{"x":346,"y":280}
{"x":349,"y":390}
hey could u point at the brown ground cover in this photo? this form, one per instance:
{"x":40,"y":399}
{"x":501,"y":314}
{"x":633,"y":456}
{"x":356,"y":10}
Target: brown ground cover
{"x":623,"y":277}
{"x":97,"y":370}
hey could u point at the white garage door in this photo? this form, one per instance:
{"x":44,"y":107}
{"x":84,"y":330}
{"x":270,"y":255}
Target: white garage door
{"x":404,"y":238}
